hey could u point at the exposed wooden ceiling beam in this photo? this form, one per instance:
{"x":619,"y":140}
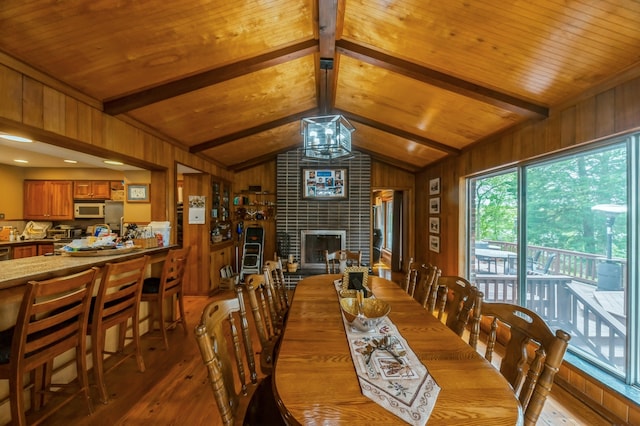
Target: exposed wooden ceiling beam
{"x":441,"y":80}
{"x":400,"y":133}
{"x":185,"y":85}
{"x":327,"y":19}
{"x":251,"y":131}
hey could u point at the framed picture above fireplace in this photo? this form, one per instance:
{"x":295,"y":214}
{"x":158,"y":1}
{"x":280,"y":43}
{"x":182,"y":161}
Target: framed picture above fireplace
{"x":327,"y":183}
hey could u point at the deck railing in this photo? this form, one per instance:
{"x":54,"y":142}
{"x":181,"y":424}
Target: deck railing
{"x":567,"y":304}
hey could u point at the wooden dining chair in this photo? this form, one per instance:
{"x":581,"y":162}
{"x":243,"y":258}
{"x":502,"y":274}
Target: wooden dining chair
{"x":531,"y":356}
{"x":224,"y":357}
{"x":427,"y":288}
{"x":350,"y":258}
{"x":52,"y":320}
{"x":265,"y":320}
{"x":275,"y":274}
{"x":156,"y":290}
{"x":459,"y":303}
{"x":410,"y":278}
{"x":117,"y":302}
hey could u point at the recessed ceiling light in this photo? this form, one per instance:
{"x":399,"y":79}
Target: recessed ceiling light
{"x":113,"y":162}
{"x":21,"y":161}
{"x":70,"y":161}
{"x":15,"y":138}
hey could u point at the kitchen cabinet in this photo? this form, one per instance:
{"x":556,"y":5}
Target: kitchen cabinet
{"x":44,"y":249}
{"x":48,"y":200}
{"x":92,"y":190}
{"x":18,"y":252}
{"x":220,"y":256}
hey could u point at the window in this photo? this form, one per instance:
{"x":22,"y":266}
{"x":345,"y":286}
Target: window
{"x":554,"y":236}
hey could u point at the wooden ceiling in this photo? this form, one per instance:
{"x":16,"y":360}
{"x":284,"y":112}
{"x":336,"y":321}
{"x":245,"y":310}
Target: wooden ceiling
{"x":419,"y":80}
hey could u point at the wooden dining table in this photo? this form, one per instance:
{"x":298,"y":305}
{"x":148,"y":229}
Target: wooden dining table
{"x":315,"y":379}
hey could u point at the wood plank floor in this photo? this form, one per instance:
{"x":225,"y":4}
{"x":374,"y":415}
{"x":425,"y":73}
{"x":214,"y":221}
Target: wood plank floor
{"x":174,"y":390}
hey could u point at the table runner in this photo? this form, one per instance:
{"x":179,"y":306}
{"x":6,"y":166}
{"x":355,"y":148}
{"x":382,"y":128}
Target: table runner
{"x":390,"y":373}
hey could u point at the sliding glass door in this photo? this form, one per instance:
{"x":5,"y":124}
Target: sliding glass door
{"x":554,"y":236}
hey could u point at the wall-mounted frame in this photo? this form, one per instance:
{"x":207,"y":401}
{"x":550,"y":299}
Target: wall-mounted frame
{"x":138,"y":193}
{"x":434,"y":225}
{"x":434,"y":186}
{"x":328,"y":183}
{"x":434,"y":205}
{"x":355,"y":278}
{"x":434,"y":243}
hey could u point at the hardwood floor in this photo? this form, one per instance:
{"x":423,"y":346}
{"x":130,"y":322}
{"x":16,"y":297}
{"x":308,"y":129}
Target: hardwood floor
{"x":174,"y":390}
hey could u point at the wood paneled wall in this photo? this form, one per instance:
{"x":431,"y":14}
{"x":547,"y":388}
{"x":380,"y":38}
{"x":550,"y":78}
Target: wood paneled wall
{"x":614,"y":111}
{"x":265,"y":176}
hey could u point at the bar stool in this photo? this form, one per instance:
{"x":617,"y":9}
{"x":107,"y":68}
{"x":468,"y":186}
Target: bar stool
{"x":117,"y":301}
{"x":52,"y":320}
{"x":155,"y":290}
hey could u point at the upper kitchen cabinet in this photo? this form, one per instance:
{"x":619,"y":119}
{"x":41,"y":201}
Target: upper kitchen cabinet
{"x":92,"y":190}
{"x":48,"y":200}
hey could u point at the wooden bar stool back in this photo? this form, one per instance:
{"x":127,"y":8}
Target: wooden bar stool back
{"x":117,"y":302}
{"x":170,"y":283}
{"x":52,"y":320}
{"x":224,"y":357}
{"x":275,"y":276}
{"x":410,"y":278}
{"x":532,"y":354}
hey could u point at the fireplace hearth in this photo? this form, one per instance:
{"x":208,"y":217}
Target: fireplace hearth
{"x":314,"y":242}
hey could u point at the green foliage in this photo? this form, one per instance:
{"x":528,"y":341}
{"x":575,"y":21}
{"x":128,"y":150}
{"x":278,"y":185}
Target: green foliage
{"x":559,"y":197}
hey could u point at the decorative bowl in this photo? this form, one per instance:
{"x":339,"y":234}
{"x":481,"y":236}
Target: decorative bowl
{"x":373,"y":312}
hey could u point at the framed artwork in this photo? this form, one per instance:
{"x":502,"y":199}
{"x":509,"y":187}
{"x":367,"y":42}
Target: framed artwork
{"x":434,"y":243}
{"x":434,"y":225}
{"x":434,"y":205}
{"x":325,"y":183}
{"x":138,"y":193}
{"x":355,"y":278}
{"x":434,"y":186}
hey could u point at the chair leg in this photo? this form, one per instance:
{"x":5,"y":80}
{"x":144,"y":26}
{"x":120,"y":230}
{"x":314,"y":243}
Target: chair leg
{"x":83,"y":377}
{"x":161,"y":322}
{"x":16,"y":392}
{"x":182,"y":316}
{"x":98,"y":366}
{"x":136,"y":339}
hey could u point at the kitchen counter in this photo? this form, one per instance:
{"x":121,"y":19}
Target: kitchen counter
{"x":17,"y":272}
{"x":39,"y":241}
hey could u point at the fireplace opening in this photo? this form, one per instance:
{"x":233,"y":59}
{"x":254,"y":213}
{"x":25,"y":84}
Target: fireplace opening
{"x":313,"y":244}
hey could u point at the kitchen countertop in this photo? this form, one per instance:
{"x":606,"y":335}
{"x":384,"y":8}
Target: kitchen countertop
{"x":38,"y":241}
{"x":17,"y":272}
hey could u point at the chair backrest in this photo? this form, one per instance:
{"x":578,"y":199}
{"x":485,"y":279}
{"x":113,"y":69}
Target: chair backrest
{"x":226,"y":363}
{"x":265,"y":322}
{"x":458,"y":299}
{"x":52,"y":318}
{"x":410,"y":277}
{"x":276,"y":274}
{"x":120,"y":291}
{"x":350,"y":258}
{"x":427,"y":288}
{"x":173,"y":270}
{"x":526,"y":330}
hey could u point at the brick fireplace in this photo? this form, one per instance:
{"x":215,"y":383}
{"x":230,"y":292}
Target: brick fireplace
{"x":351,"y":215}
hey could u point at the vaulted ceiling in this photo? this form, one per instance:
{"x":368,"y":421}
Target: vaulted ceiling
{"x":419,"y":80}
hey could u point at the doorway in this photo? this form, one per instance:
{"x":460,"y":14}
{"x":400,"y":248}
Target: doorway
{"x":389,"y":229}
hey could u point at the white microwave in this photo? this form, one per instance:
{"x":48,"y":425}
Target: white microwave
{"x":88,"y":210}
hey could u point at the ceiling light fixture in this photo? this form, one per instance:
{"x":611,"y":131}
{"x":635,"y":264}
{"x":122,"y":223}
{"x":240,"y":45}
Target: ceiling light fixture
{"x":21,"y":161}
{"x":113,"y":162}
{"x":15,"y":138}
{"x":70,"y":161}
{"x":329,"y":136}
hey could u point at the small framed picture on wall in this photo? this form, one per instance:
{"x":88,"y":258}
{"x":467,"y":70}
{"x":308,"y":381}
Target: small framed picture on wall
{"x":434,"y":205}
{"x":434,"y":243}
{"x":434,"y":186}
{"x":434,"y":225}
